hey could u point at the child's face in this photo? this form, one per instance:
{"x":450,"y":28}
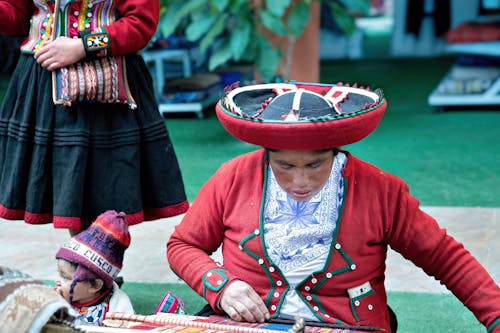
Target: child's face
{"x":82,"y":292}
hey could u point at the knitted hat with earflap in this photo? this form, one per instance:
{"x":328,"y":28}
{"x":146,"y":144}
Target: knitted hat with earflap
{"x":99,"y":250}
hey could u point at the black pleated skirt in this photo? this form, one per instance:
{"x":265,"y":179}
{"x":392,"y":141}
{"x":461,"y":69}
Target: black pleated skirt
{"x":66,"y":165}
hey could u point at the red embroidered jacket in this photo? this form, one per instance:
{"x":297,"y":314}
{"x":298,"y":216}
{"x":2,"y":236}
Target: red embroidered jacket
{"x":378,"y":211}
{"x":108,"y":27}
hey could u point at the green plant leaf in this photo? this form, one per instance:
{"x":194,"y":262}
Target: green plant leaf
{"x":357,"y":6}
{"x":298,"y":19}
{"x":215,"y":31}
{"x":273,"y":23}
{"x":250,"y":52}
{"x":220,"y":5}
{"x":343,"y":18}
{"x":238,"y":6}
{"x":220,"y":56}
{"x":277,"y":7}
{"x":175,"y":13}
{"x":267,"y":60}
{"x":240,"y":37}
{"x":199,"y":27}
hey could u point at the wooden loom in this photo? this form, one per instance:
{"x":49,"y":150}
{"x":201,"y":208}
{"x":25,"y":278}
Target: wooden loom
{"x":174,"y":323}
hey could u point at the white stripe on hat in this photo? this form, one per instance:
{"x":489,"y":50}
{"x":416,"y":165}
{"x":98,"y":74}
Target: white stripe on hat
{"x":93,"y":257}
{"x":297,"y":99}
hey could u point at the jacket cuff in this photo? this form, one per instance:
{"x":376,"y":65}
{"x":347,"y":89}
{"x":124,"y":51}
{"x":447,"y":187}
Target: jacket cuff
{"x":494,"y":325}
{"x":214,"y":282}
{"x":96,"y":42}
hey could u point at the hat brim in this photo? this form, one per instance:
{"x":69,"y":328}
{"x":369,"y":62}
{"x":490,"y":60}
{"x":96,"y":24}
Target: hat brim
{"x":321,"y":133}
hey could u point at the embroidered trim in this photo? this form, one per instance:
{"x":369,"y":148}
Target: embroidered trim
{"x":494,"y":325}
{"x":96,"y":42}
{"x":214,"y":280}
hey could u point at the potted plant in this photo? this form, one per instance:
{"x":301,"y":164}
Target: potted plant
{"x":262,"y":32}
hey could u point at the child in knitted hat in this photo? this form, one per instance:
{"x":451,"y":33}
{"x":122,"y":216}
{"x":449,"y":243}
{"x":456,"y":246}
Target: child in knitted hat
{"x":88,"y":265}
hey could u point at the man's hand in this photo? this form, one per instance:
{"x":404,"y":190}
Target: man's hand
{"x":242,"y":303}
{"x":61,"y":52}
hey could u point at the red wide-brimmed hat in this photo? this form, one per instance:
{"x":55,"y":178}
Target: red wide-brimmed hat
{"x":301,"y":116}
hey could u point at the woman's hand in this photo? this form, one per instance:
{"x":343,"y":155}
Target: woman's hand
{"x":63,"y":51}
{"x":242,"y":303}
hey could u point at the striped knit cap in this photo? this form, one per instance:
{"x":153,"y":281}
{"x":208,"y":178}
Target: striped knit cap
{"x":99,"y":250}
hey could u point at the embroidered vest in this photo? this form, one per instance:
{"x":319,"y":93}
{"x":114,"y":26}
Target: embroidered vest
{"x":75,"y":17}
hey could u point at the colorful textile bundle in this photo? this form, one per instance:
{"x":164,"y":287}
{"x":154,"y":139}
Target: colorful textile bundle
{"x":171,"y":304}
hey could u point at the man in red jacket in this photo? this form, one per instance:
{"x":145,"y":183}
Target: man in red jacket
{"x":304,"y":226}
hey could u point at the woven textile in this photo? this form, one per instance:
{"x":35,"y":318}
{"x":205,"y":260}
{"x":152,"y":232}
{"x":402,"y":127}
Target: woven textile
{"x":194,"y":324}
{"x":27,"y":304}
{"x":102,"y":80}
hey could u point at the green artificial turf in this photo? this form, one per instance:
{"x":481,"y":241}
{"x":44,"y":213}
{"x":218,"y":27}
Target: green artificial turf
{"x":416,"y":312}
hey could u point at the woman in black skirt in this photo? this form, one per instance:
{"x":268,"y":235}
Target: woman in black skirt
{"x":67,"y":164}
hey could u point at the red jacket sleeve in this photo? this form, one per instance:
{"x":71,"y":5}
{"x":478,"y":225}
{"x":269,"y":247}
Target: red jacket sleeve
{"x":418,"y":237}
{"x":199,"y":235}
{"x":136,"y":26}
{"x":15,"y":16}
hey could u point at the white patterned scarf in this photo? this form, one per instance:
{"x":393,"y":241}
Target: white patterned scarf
{"x":298,"y":235}
{"x":296,"y":232}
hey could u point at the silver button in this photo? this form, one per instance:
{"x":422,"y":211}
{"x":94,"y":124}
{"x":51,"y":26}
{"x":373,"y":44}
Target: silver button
{"x":337,"y":246}
{"x":356,"y":303}
{"x":75,"y":25}
{"x":76,"y":13}
{"x":307,"y":288}
{"x":353,"y":266}
{"x":313,"y":280}
{"x":329,"y":275}
{"x":261,"y":261}
{"x":256,"y":231}
{"x":87,"y":25}
{"x":273,"y":307}
{"x":309,"y":297}
{"x":271,"y":269}
{"x":370,"y":307}
{"x":316,"y":308}
{"x":276,"y":294}
{"x":279,"y":283}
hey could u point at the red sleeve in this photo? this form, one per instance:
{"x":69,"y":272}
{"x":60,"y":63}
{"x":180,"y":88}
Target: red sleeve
{"x":136,"y":26}
{"x":199,"y":235}
{"x":15,"y":16}
{"x":418,"y":237}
